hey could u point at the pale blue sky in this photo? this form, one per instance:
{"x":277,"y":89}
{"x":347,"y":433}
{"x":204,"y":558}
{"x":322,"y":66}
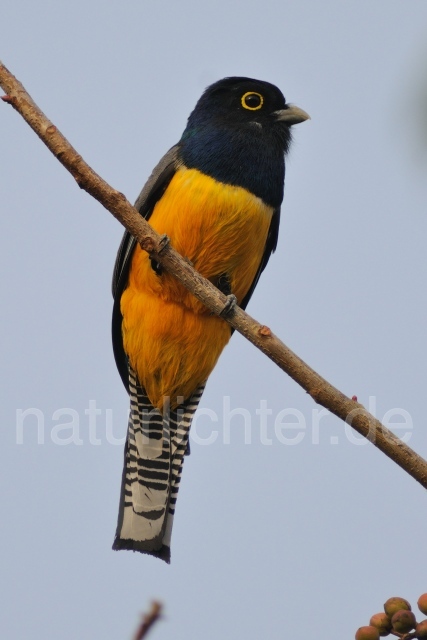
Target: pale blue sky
{"x":269,"y":539}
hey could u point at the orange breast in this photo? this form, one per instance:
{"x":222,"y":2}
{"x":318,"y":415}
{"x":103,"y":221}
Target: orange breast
{"x":172,"y":340}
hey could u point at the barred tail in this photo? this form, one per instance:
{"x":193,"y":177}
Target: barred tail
{"x":154,"y":455}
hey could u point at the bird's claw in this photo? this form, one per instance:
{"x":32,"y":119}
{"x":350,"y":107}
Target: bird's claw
{"x":229,"y":306}
{"x":163,"y":243}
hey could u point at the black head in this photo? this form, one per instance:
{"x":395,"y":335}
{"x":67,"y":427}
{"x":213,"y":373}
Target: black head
{"x":245,"y":101}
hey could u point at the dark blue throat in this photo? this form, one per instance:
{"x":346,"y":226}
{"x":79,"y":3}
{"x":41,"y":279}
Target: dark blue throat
{"x":251,"y":157}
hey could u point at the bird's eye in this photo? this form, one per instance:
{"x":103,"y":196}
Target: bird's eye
{"x":252,"y":100}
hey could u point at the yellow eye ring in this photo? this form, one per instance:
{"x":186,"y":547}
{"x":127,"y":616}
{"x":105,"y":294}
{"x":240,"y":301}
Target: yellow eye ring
{"x":257,"y":104}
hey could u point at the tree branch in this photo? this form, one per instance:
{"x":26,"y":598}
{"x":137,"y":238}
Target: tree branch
{"x":148,"y":619}
{"x":261,"y":336}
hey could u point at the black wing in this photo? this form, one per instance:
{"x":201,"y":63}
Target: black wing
{"x":270,"y":247}
{"x":150,"y":194}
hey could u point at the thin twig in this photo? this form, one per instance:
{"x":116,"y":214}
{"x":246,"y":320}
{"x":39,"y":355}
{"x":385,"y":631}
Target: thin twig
{"x":148,"y":619}
{"x":348,"y":409}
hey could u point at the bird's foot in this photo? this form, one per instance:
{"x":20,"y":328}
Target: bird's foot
{"x":163,"y":243}
{"x":230,"y":305}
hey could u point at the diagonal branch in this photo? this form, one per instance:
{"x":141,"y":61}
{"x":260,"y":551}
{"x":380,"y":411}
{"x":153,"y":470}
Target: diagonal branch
{"x":261,"y":336}
{"x":148,"y":619}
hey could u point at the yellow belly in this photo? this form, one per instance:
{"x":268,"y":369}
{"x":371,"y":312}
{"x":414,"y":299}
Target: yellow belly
{"x":171,"y":339}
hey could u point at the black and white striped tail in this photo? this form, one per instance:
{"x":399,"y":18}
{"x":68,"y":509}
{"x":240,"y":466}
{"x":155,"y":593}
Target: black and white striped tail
{"x":154,"y":455}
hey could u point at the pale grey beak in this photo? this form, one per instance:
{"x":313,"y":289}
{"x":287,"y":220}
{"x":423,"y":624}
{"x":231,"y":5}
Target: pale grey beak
{"x":291,"y":115}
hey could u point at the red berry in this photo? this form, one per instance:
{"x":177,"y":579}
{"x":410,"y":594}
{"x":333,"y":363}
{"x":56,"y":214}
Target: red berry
{"x":403,"y":621}
{"x":367,"y":633}
{"x":396,"y":604}
{"x":422,"y":603}
{"x":382,"y":622}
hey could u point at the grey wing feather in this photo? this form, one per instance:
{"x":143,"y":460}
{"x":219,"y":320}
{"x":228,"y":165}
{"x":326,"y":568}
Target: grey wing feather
{"x":151,"y":192}
{"x":270,"y":247}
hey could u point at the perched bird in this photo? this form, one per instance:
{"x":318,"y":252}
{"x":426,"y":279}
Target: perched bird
{"x":216,"y":195}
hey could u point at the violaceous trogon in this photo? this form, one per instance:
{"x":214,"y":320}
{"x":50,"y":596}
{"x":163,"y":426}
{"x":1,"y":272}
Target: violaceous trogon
{"x":217,"y":196}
